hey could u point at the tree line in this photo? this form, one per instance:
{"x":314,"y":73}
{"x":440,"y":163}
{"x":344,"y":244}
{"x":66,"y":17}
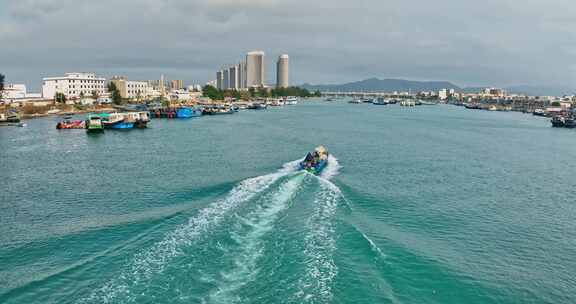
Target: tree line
{"x":217,"y":94}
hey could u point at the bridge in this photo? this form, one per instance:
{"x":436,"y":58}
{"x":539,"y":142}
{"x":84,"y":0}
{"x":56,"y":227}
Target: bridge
{"x":366,"y":94}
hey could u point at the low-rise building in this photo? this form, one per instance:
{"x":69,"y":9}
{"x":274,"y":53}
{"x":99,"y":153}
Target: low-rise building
{"x":14,"y":91}
{"x":73,"y":85}
{"x":130,"y":89}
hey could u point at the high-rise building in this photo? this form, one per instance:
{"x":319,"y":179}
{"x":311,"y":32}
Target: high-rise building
{"x":220,"y":80}
{"x":226,"y":83}
{"x":233,"y":77}
{"x":242,"y":75}
{"x":162,"y":88}
{"x":282,"y":72}
{"x":255,"y":69}
{"x":176,"y":84}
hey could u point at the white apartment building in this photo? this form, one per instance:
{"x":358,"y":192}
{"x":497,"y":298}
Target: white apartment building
{"x":14,"y":91}
{"x":72,"y":85}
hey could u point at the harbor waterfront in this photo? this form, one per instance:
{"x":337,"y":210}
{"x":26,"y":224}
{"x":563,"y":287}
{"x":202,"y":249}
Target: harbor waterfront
{"x":430,"y":204}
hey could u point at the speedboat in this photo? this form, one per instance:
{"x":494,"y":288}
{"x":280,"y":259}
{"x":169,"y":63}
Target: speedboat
{"x":315,"y":161}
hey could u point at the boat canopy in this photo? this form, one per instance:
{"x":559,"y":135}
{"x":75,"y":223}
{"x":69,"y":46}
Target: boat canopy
{"x":321,"y":150}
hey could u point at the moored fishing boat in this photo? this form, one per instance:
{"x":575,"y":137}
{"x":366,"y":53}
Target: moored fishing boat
{"x":315,"y":161}
{"x":94,"y":124}
{"x":380,"y":101}
{"x":69,"y":123}
{"x":291,"y":100}
{"x":188,"y":112}
{"x":257,"y":106}
{"x":11,"y":116}
{"x":218,"y":110}
{"x":558,"y":121}
{"x":119,"y":121}
{"x":141,"y":120}
{"x":355,"y":101}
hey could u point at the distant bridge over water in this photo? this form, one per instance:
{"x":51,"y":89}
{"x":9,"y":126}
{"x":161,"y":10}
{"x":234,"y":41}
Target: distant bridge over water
{"x":365,"y":94}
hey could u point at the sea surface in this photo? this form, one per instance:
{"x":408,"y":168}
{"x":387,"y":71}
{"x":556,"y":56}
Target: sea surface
{"x":434,"y":204}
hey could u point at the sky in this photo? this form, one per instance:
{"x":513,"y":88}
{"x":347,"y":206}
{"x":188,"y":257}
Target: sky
{"x":471,"y":43}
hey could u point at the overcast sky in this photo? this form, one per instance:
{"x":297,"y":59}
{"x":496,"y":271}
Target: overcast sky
{"x":488,"y":42}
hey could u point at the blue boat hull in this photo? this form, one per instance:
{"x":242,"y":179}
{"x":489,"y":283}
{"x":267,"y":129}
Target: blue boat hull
{"x":188,"y":113}
{"x":119,"y":125}
{"x":317,"y":169}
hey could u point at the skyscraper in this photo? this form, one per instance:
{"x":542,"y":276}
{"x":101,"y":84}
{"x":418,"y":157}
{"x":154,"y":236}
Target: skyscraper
{"x":242,"y":75}
{"x":233,"y":75}
{"x":282,"y":72}
{"x":226,"y":83}
{"x":220,"y":80}
{"x":255,"y":69}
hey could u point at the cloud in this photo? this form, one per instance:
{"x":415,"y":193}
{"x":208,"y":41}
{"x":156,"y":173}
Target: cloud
{"x":496,"y":42}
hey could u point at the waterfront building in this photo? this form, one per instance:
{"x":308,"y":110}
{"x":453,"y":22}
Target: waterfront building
{"x":176,"y":84}
{"x":233,"y":76}
{"x":72,"y":85}
{"x":14,"y":91}
{"x":445,"y":94}
{"x":494,"y":92}
{"x":282,"y":71}
{"x":130,"y":89}
{"x":255,"y":69}
{"x":220,"y":80}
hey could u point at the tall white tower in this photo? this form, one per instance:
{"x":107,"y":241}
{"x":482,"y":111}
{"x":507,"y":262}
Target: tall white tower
{"x":282,"y":71}
{"x":162,"y":89}
{"x":255,"y":69}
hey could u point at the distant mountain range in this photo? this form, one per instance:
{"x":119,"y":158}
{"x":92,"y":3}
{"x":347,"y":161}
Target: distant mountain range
{"x":401,"y":85}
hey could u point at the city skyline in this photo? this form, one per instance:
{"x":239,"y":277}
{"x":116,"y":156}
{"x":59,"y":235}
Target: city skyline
{"x":496,"y":43}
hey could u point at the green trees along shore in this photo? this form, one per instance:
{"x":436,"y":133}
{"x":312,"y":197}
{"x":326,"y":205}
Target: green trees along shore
{"x":216,"y":94}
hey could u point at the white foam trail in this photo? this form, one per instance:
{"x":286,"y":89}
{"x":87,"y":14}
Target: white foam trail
{"x":332,"y":169}
{"x":258,"y":224}
{"x":320,"y":244}
{"x":154,"y":260}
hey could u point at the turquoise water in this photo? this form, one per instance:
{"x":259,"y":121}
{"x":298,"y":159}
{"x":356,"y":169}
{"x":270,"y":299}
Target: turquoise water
{"x":422,"y":205}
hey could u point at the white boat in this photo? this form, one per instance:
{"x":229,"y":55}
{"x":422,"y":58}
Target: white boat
{"x":408,"y":103}
{"x":291,"y":100}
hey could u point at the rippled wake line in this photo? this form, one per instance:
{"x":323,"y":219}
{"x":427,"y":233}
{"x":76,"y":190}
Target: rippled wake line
{"x":320,"y":244}
{"x":154,"y":260}
{"x":249,"y":234}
